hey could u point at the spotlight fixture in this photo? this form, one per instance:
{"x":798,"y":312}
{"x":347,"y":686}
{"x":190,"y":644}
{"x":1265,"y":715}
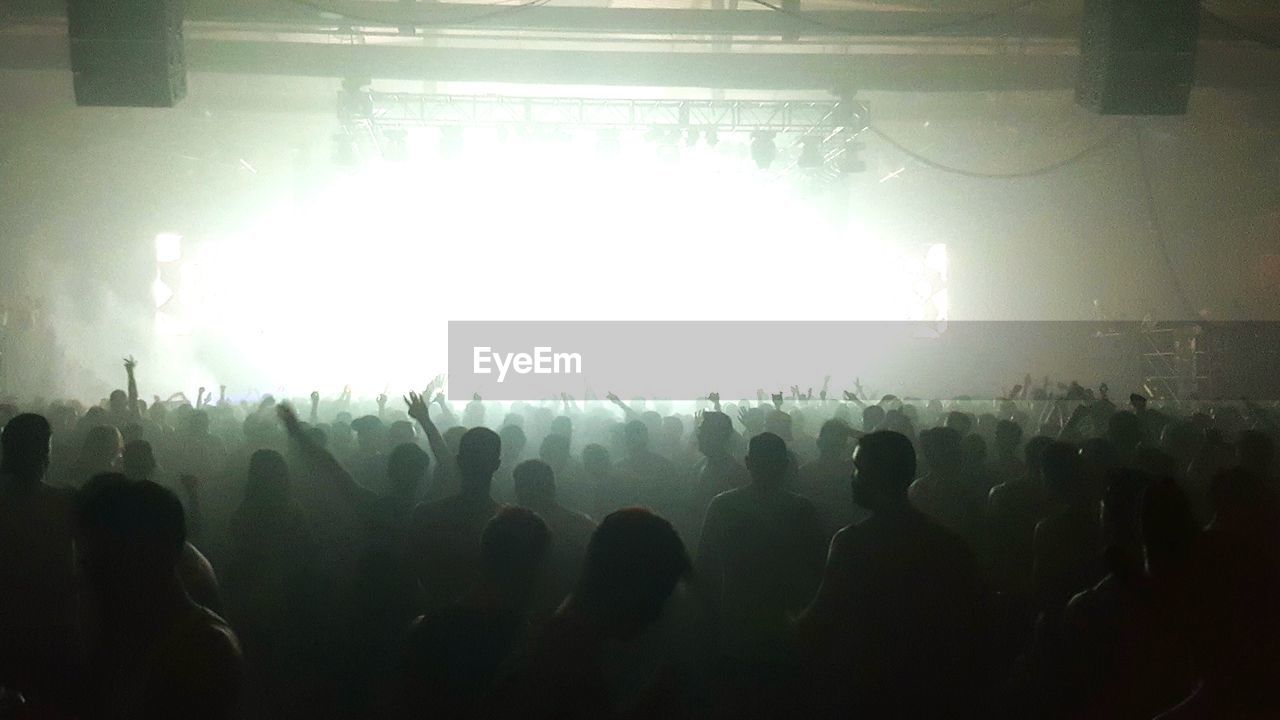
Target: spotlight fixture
{"x":763,"y":149}
{"x":711,"y":137}
{"x":810,"y":152}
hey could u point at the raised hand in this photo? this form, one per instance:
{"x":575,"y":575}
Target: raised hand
{"x":857,"y":387}
{"x":715,"y":400}
{"x":612,"y":398}
{"x":315,"y":398}
{"x":288,"y":417}
{"x":826,"y":383}
{"x":417,"y":406}
{"x":777,"y":399}
{"x":850,"y":396}
{"x":130,"y":364}
{"x":382,"y":400}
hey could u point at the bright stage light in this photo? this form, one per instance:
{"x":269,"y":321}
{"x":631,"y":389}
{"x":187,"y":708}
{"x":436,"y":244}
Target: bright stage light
{"x":355,"y":283}
{"x":168,"y":247}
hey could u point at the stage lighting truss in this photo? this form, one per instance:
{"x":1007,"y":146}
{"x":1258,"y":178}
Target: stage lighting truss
{"x":835,"y":122}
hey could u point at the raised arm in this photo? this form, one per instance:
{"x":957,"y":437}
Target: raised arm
{"x":418,"y":410}
{"x":627,"y":410}
{"x":134,"y":411}
{"x":319,"y":458}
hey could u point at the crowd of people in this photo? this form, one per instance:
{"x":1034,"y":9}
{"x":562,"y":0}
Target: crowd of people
{"x":1041,"y":555}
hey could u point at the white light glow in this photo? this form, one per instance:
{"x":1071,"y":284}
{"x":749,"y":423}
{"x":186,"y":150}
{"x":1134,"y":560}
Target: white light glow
{"x":356,"y":282}
{"x":168,"y":248}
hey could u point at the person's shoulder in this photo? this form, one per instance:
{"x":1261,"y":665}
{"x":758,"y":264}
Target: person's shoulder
{"x":728,"y":499}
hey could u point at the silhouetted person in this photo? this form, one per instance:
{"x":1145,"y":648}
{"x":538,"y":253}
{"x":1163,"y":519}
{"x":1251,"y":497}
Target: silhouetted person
{"x":453,"y":657}
{"x":1013,"y":509}
{"x":445,"y":535}
{"x":633,"y":563}
{"x":825,"y":480}
{"x":652,"y":476}
{"x":1236,"y":640}
{"x":607,"y":491}
{"x":155,"y":652}
{"x":194,"y":568}
{"x":760,"y":556}
{"x":100,"y":453}
{"x":265,"y":582}
{"x":941,"y":492}
{"x":1067,"y":548}
{"x":570,"y":490}
{"x":535,"y":484}
{"x":513,"y":444}
{"x":718,"y":470}
{"x":38,"y":629}
{"x":895,"y":629}
{"x":759,"y":563}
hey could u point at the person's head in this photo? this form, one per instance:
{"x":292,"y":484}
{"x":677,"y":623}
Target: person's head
{"x":884,"y":465}
{"x":767,"y":459}
{"x":1008,"y":438}
{"x":139,"y":461}
{"x":479,"y":455}
{"x":1168,"y":528}
{"x":513,"y":546}
{"x":535,"y":483}
{"x":1033,"y":454}
{"x":633,"y":562}
{"x":130,"y":538}
{"x":1124,"y":430}
{"x":118,"y":402}
{"x":102,"y":448}
{"x":562,"y":425}
{"x":407,"y":468}
{"x":778,"y":423}
{"x":961,"y":422}
{"x":24,"y":448}
{"x":513,"y":442}
{"x":595,"y":461}
{"x":554,"y":450}
{"x":672,"y":431}
{"x":636,"y":436}
{"x":269,"y":484}
{"x":714,"y":433}
{"x":1062,"y":470}
{"x":196,"y":423}
{"x":833,"y":440}
{"x":370,"y":433}
{"x":400,"y":432}
{"x":942,"y":451}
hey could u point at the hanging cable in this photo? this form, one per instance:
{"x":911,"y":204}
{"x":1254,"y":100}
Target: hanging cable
{"x":906,"y":29}
{"x":1042,"y":170}
{"x":1157,"y":229}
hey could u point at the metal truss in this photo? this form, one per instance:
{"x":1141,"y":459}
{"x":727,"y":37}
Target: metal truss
{"x":392,"y":110}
